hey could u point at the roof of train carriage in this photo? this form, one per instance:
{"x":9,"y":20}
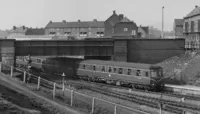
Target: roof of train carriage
{"x":119,"y":64}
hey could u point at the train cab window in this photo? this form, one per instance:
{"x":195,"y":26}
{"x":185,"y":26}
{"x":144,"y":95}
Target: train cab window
{"x":120,"y":71}
{"x":129,"y":72}
{"x":103,"y":69}
{"x":138,"y":73}
{"x":159,"y":73}
{"x":109,"y":69}
{"x":153,"y":73}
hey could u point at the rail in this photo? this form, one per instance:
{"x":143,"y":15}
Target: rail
{"x":95,"y":104}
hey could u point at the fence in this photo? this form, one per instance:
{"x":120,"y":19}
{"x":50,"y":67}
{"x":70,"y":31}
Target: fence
{"x":71,"y":97}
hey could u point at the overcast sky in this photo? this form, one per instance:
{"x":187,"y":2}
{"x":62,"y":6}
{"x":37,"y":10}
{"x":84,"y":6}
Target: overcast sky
{"x":37,"y":13}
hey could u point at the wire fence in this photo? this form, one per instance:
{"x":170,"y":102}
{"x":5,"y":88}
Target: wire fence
{"x":69,"y":96}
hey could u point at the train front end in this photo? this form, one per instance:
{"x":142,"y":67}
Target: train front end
{"x":157,"y":78}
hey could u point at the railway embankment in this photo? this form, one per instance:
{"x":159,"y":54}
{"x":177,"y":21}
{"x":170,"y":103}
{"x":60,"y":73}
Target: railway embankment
{"x":15,"y":97}
{"x":183,"y":69}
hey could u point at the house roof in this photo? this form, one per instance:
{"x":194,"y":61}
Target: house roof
{"x":145,"y":29}
{"x":78,"y":24}
{"x":194,"y":12}
{"x":125,"y":19}
{"x":178,"y":21}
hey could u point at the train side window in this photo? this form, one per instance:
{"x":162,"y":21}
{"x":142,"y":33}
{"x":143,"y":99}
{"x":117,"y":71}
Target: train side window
{"x":115,"y":70}
{"x":38,"y":61}
{"x":109,"y":69}
{"x":138,"y":73}
{"x":83,"y":66}
{"x":146,"y":73}
{"x":120,"y":71}
{"x":129,"y":72}
{"x":88,"y":67}
{"x":94,"y":67}
{"x":103,"y":69}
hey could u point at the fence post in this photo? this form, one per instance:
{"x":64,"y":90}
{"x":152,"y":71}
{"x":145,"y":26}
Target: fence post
{"x":72,"y":94}
{"x":54,"y":90}
{"x":11,"y":71}
{"x":115,"y":109}
{"x":24,"y":79}
{"x":93,"y":102}
{"x":160,"y":108}
{"x":63,"y":88}
{"x":38,"y":86}
{"x":1,"y":67}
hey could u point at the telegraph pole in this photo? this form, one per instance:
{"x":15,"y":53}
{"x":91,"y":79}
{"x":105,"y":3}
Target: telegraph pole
{"x":162,"y":22}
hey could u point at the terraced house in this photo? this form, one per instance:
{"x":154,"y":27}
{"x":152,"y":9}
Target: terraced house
{"x":79,"y":29}
{"x":115,"y":25}
{"x":192,"y":29}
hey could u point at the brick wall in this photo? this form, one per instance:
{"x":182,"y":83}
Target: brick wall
{"x":125,"y":28}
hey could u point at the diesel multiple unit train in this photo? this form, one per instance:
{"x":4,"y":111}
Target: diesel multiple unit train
{"x":145,"y":76}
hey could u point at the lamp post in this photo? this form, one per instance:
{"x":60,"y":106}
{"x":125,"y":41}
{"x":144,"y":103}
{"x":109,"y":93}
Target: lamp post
{"x":162,"y":22}
{"x":63,"y":77}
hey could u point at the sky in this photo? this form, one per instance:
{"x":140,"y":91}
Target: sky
{"x":37,"y":13}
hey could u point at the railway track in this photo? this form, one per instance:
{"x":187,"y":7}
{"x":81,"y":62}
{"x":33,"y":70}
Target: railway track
{"x":171,"y":106}
{"x":170,"y":96}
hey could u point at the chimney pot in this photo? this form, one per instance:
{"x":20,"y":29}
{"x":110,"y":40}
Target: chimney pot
{"x":196,"y":6}
{"x":79,"y":20}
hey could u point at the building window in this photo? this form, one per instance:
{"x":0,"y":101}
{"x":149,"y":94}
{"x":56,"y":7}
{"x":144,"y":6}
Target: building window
{"x":133,"y":32}
{"x":192,"y":26}
{"x":83,"y":34}
{"x":52,"y":33}
{"x":186,"y":26}
{"x":125,"y":29}
{"x":67,"y":33}
{"x":100,"y":34}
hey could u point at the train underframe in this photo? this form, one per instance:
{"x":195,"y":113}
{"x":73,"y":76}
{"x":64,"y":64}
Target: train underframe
{"x":120,"y":83}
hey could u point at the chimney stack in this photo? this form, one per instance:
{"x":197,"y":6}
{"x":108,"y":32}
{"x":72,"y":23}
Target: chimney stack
{"x":64,"y":21}
{"x":95,"y":20}
{"x":196,"y":6}
{"x":79,"y":20}
{"x":114,"y":12}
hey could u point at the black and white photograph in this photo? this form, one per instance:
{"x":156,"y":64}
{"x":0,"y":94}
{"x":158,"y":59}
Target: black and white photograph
{"x":100,"y":57}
